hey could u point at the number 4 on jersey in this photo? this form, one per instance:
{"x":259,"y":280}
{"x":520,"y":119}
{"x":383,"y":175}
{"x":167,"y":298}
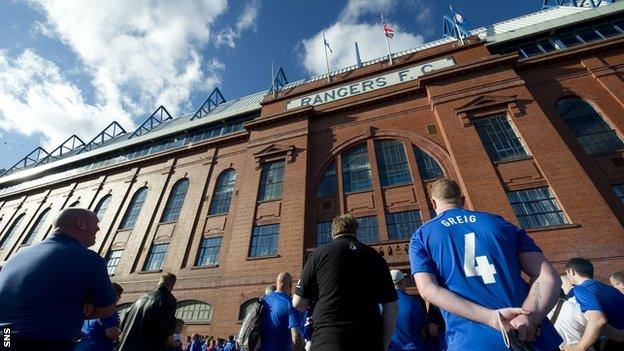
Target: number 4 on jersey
{"x":479,"y":266}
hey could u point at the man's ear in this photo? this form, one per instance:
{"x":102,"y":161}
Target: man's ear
{"x":434,"y":203}
{"x":81,"y":224}
{"x":463,"y":201}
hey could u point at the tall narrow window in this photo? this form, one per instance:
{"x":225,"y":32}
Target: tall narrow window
{"x":323,"y":233}
{"x":271,"y":181}
{"x":428,"y":167}
{"x":401,"y":225}
{"x":591,"y":130}
{"x":11,"y":232}
{"x":619,"y":191}
{"x":356,"y":171}
{"x":132,"y":213}
{"x":101,"y":207}
{"x":175,"y":202}
{"x":264,"y":240}
{"x":209,"y":251}
{"x":156,"y":257}
{"x":113,"y":260}
{"x":36,"y":227}
{"x":499,"y":138}
{"x":392,"y":163}
{"x":536,"y":208}
{"x":223,"y":193}
{"x":368,"y":231}
{"x":327,"y":185}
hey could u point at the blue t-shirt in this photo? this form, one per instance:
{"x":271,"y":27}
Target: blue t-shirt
{"x":593,"y":295}
{"x":43,"y":288}
{"x":229,"y":346}
{"x":278,"y":317}
{"x":93,"y":334}
{"x":475,"y":255}
{"x":411,"y":320}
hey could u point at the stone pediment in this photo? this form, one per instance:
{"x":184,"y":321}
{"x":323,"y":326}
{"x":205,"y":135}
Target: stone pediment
{"x":275,"y":151}
{"x":487,"y":104}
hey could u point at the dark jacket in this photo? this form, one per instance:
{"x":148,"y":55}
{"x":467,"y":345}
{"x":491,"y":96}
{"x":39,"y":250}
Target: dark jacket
{"x":149,"y":322}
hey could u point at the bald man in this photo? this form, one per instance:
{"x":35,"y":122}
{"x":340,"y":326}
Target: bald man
{"x":280,"y":320}
{"x":45,"y":288}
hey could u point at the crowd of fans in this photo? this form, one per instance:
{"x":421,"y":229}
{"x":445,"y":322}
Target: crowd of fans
{"x":467,"y":266}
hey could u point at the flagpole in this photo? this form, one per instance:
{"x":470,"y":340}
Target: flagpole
{"x":326,"y":59}
{"x":387,"y":42}
{"x":459,"y":35}
{"x":273,"y":80}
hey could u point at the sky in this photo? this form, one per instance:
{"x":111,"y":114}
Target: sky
{"x":74,"y":66}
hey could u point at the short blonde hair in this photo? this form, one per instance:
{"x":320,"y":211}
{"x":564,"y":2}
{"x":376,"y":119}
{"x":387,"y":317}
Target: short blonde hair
{"x":446,"y":190}
{"x":344,"y":224}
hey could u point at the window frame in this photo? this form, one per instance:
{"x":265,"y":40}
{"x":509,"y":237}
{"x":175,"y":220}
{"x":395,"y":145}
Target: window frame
{"x":496,"y":122}
{"x":124,"y":224}
{"x":219,"y":196}
{"x":173,"y":207}
{"x":276,"y":186}
{"x":150,"y":259}
{"x":201,"y":249}
{"x":273,"y":247}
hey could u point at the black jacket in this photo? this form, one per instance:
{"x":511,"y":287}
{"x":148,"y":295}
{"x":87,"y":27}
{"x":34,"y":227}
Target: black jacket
{"x":149,"y":322}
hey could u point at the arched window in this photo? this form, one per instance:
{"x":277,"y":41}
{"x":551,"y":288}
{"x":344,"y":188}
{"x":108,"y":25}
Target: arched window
{"x":356,"y":171}
{"x":176,"y":199}
{"x":242,"y":312}
{"x":223,"y":193}
{"x":12,"y":230}
{"x":36,"y":227}
{"x":194,"y":311}
{"x":428,"y":167}
{"x":132,"y":213}
{"x":590,"y":128}
{"x":397,"y":172}
{"x":101,"y":207}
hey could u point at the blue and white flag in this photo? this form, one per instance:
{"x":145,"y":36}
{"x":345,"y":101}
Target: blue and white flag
{"x":459,"y":19}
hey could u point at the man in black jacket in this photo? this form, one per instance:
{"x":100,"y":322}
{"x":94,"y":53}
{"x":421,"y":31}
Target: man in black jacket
{"x":151,"y":319}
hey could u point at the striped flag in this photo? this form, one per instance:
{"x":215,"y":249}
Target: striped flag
{"x":389,"y":32}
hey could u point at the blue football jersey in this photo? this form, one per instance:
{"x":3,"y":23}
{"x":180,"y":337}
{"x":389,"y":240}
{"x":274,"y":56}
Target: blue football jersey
{"x":475,"y":255}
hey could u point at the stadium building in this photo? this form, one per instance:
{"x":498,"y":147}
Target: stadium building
{"x":527,"y":114}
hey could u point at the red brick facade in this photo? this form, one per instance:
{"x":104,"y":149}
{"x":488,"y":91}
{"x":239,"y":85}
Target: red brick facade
{"x":434,"y":113}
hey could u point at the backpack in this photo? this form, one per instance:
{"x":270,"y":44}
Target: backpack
{"x":250,"y":331}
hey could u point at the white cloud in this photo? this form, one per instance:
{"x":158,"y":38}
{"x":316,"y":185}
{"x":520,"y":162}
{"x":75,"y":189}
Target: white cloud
{"x":36,"y":98}
{"x":356,"y":8}
{"x":246,"y":21}
{"x":140,"y":53}
{"x":348,"y":29}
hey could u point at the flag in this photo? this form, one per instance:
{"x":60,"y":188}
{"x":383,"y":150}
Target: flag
{"x":459,"y":19}
{"x":327,"y":45}
{"x":389,"y":32}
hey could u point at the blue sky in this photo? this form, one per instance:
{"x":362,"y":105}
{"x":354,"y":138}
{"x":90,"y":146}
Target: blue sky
{"x":73,"y":66}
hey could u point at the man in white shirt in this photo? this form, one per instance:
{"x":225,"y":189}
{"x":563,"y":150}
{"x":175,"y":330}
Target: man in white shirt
{"x":567,"y":317}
